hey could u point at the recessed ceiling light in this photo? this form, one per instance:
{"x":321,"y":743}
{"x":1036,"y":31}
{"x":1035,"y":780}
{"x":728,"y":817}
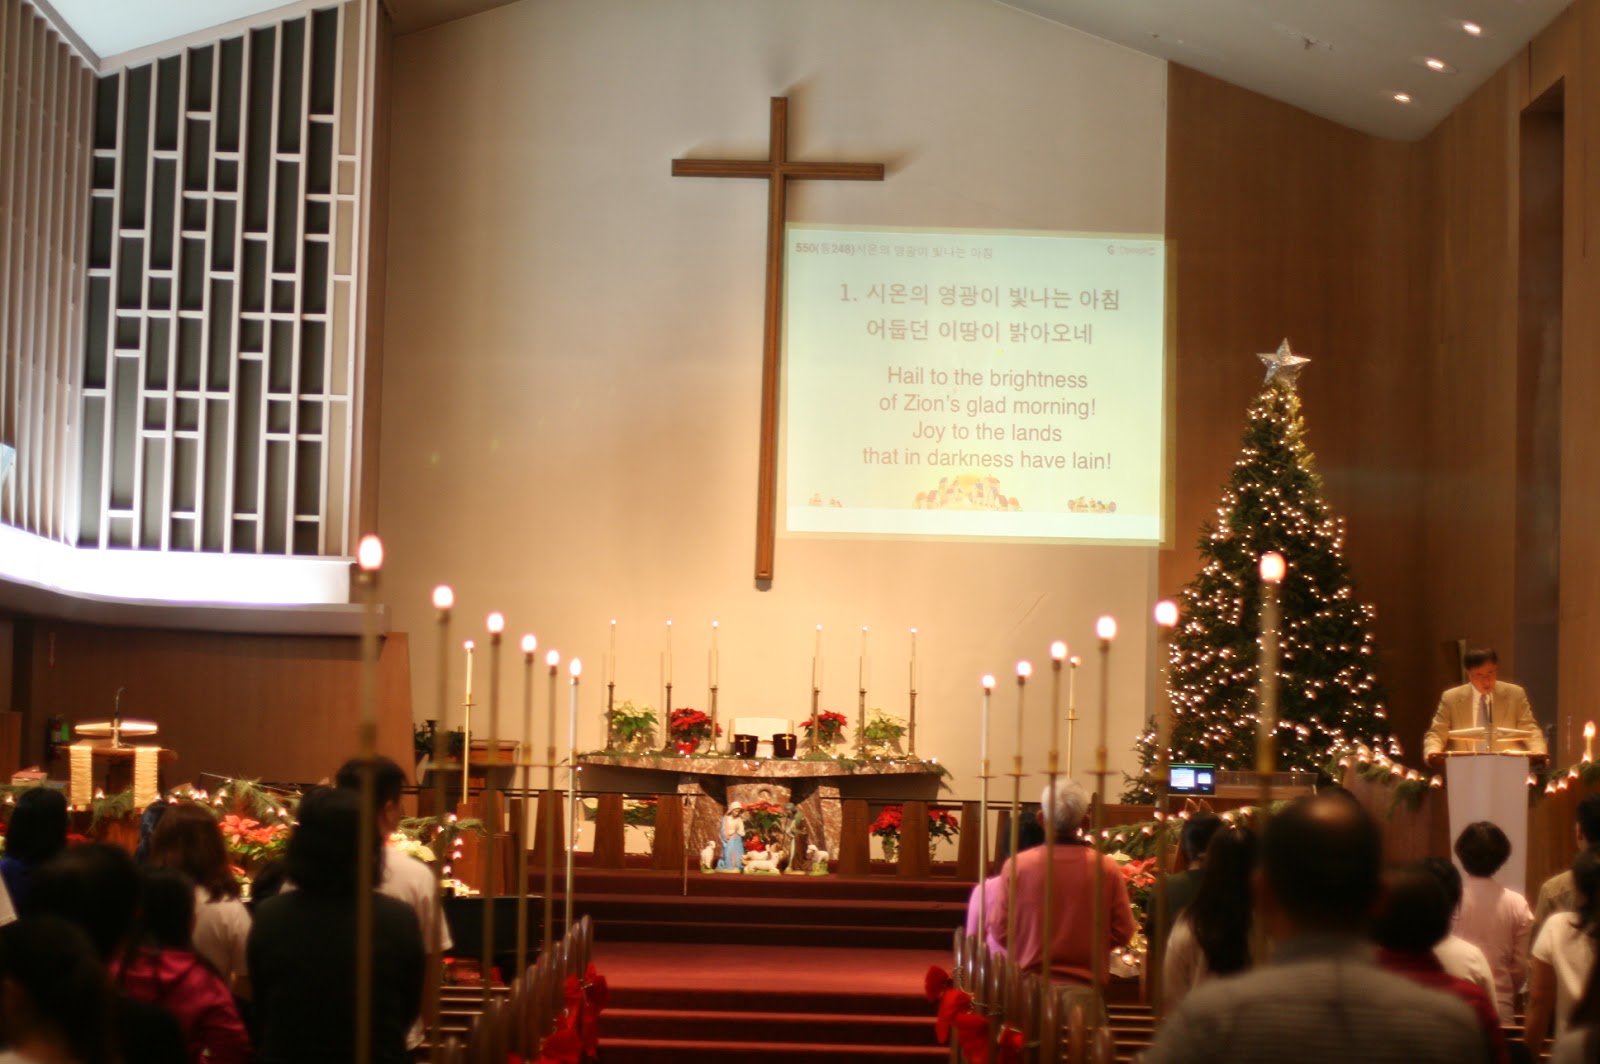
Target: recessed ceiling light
{"x":1402,"y":97}
{"x":1438,"y":66}
{"x":1472,"y":28}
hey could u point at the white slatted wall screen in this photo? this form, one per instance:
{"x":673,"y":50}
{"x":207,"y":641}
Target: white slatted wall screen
{"x":225,"y":247}
{"x":46,"y":97}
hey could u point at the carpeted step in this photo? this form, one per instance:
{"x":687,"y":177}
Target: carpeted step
{"x":751,"y":999}
{"x":766,"y":934}
{"x":788,"y":1026}
{"x":945,"y":916}
{"x":658,"y":1051}
{"x":719,"y":885}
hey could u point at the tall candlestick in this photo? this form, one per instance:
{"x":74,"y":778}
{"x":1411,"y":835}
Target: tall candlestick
{"x":861,"y":696}
{"x":983,"y":809}
{"x":1166,"y":616}
{"x":1272,"y":572}
{"x":369,"y":558}
{"x":552,"y":660}
{"x":525,"y":762}
{"x":443,"y":599}
{"x":575,"y":668}
{"x":1106,"y":629}
{"x":496,"y":625}
{"x":1058,"y":652}
{"x":466,"y":726}
{"x":1024,"y":670}
{"x":1072,"y":705}
{"x":712,"y":668}
{"x":911,"y":723}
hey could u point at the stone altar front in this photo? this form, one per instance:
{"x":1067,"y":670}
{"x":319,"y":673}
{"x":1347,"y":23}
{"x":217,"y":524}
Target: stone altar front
{"x":708,"y":785}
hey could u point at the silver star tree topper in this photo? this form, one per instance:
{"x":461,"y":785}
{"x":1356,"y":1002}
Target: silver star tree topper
{"x":1282,"y":364}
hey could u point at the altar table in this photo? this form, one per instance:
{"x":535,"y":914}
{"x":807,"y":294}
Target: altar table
{"x":708,"y":785}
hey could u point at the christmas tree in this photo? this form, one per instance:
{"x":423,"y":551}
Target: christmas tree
{"x":1329,"y":697}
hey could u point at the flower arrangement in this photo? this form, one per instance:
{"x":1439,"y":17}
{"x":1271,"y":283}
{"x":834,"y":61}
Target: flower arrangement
{"x":632,"y":724}
{"x":829,"y":725}
{"x":251,"y":842}
{"x":1140,"y":878}
{"x":690,"y":725}
{"x":883,"y":729}
{"x":765,"y":820}
{"x":407,"y":845}
{"x":942,"y":824}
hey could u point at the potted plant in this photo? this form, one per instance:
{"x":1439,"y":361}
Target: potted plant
{"x":632,"y":726}
{"x":689,"y":727}
{"x":829,"y":728}
{"x":882,"y":732}
{"x":887,"y":828}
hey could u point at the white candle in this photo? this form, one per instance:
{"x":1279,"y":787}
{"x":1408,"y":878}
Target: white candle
{"x":468,"y":699}
{"x":575,"y":668}
{"x":816,"y":662}
{"x":913,"y":659}
{"x":1024,"y":670}
{"x":611,"y":657}
{"x":983,"y":741}
{"x":861,"y":666}
{"x":711,"y":663}
{"x":667,"y":657}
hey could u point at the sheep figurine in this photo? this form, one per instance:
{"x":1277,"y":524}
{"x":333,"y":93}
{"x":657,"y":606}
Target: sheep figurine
{"x":708,"y":855}
{"x":767,"y":861}
{"x":818,"y":859}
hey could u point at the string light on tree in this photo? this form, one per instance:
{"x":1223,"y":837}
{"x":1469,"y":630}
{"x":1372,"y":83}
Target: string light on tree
{"x":1329,"y":697}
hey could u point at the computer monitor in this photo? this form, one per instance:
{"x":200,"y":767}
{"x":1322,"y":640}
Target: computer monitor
{"x":1192,"y":779}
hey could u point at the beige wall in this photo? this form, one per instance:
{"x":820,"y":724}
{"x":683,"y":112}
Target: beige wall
{"x":572,"y":339}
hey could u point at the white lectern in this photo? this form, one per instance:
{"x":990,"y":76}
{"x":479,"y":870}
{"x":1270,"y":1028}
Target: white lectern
{"x":1493,"y":787}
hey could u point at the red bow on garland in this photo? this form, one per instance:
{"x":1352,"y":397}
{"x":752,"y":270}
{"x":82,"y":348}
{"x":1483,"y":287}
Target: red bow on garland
{"x":953,"y":1003}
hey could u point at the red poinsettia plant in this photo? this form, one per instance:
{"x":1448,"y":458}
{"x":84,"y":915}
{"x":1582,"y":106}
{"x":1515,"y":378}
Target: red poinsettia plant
{"x":251,"y":841}
{"x":942,"y":824}
{"x":687,"y":725}
{"x":830,"y":725}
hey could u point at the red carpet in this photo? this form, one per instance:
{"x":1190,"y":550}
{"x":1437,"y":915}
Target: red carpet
{"x":722,"y":1002}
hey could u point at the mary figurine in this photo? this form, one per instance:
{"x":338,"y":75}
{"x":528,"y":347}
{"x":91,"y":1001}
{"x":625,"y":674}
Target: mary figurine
{"x":732,"y":831}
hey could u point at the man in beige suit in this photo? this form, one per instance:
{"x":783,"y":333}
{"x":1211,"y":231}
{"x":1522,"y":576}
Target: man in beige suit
{"x":1474,"y":705}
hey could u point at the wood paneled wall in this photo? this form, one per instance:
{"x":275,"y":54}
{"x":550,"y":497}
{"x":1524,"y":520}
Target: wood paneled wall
{"x":269,"y":707}
{"x":46,"y":109}
{"x":1284,"y":224}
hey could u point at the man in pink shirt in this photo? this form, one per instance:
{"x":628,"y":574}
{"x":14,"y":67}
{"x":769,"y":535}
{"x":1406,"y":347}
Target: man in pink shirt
{"x":1496,"y":919}
{"x":1072,"y":913}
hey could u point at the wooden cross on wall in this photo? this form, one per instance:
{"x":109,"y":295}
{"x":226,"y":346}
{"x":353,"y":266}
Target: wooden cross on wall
{"x":778,"y":172}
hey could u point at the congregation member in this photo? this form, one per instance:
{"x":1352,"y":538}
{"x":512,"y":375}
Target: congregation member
{"x":1484,"y":701}
{"x":1030,"y":833}
{"x":1557,"y":894}
{"x":1196,"y":835}
{"x":302,"y":949}
{"x":54,"y":997}
{"x":164,"y":969}
{"x":36,"y":832}
{"x":95,"y":886}
{"x":1212,"y":934}
{"x":1321,"y":997}
{"x":1413,"y":920}
{"x":404,"y":877}
{"x":1580,"y":1042}
{"x":1459,"y":957}
{"x":1494,"y":918}
{"x":189,"y":839}
{"x":1563,"y":957}
{"x":1072,"y":912}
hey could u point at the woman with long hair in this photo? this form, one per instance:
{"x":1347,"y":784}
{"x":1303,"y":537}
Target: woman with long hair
{"x":303,"y":947}
{"x":189,"y":839}
{"x":1212,"y":936}
{"x":1563,"y":958}
{"x":37,"y":832}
